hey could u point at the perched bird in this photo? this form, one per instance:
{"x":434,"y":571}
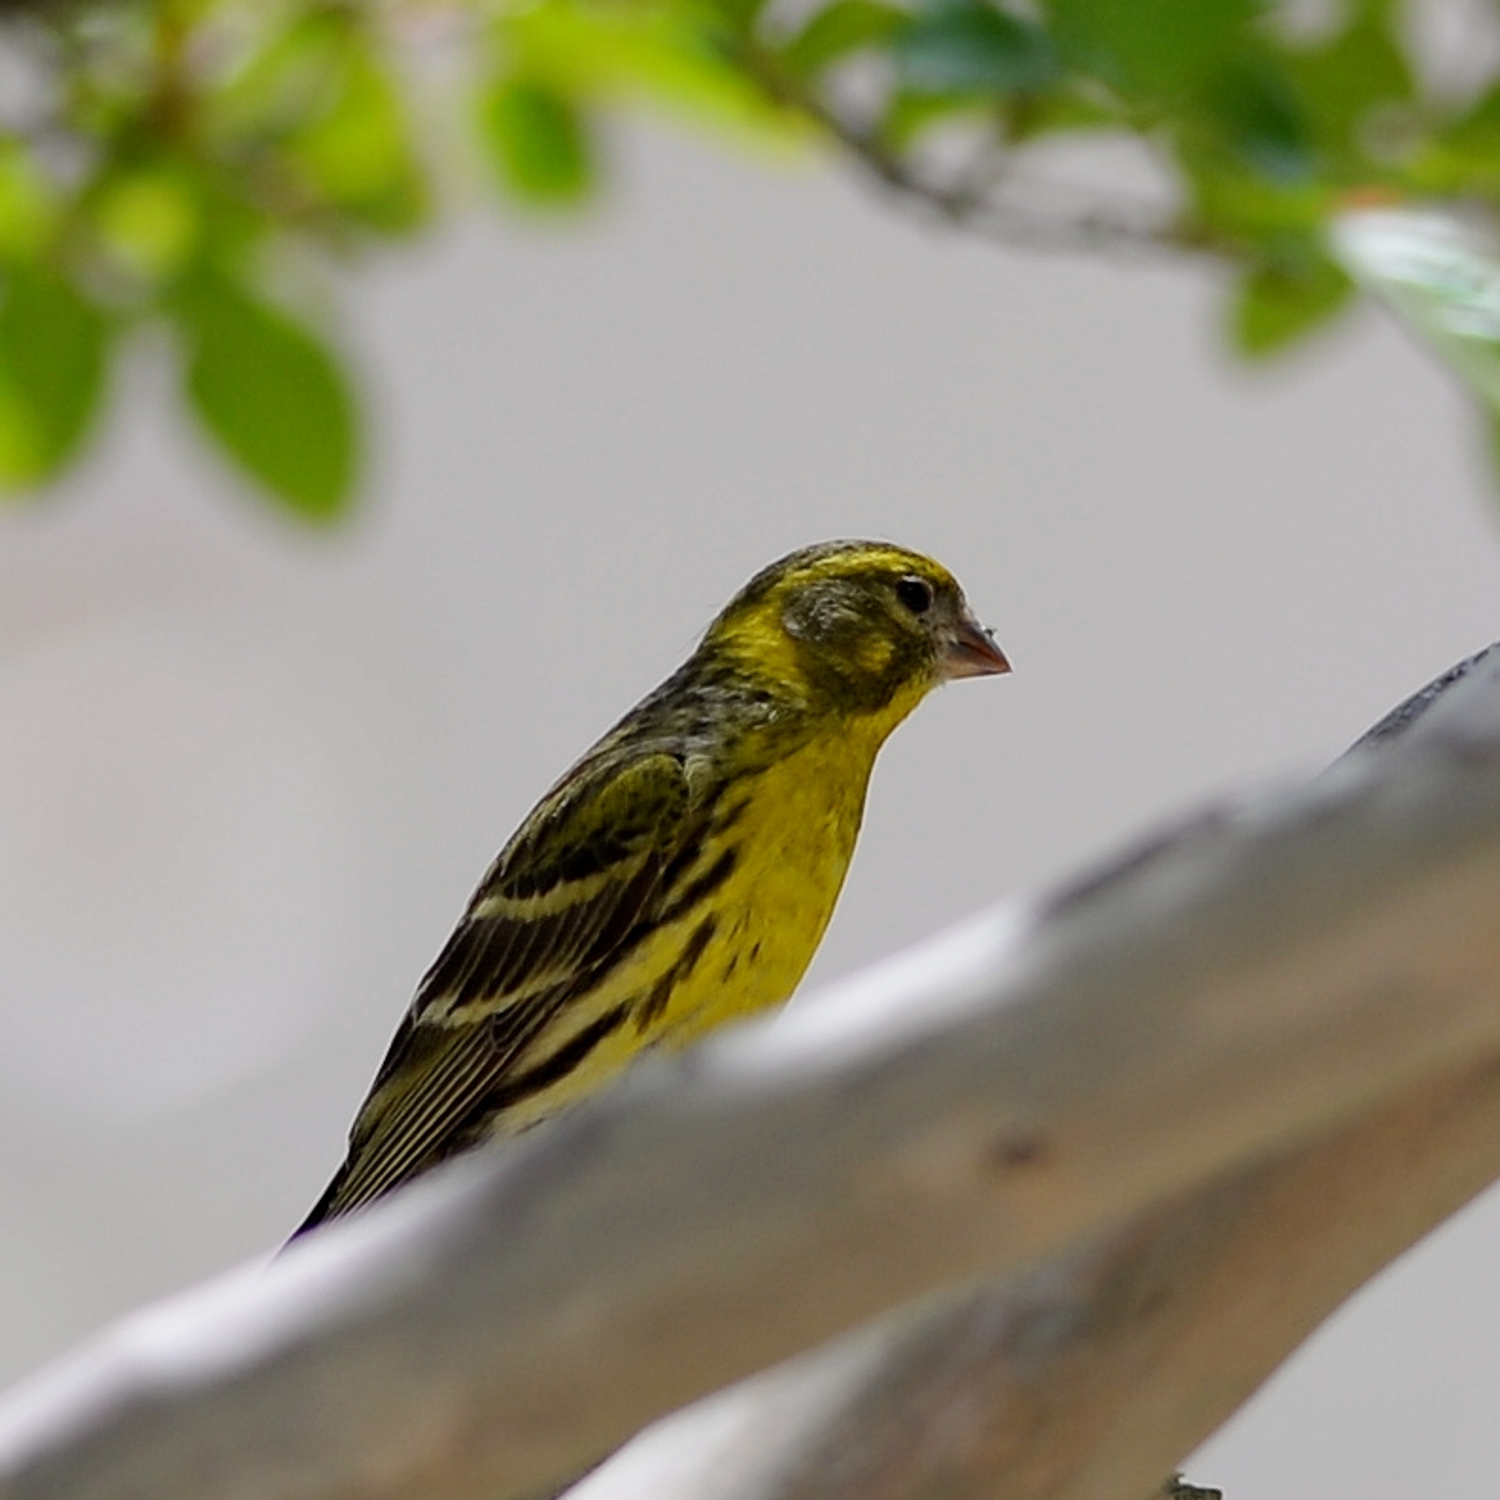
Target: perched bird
{"x":682,"y":873}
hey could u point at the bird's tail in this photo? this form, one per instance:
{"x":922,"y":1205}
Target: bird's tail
{"x":323,"y":1210}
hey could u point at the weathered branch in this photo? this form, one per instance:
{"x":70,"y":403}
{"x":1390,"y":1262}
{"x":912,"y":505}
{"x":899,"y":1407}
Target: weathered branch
{"x":1268,"y":977}
{"x":1097,"y":1370}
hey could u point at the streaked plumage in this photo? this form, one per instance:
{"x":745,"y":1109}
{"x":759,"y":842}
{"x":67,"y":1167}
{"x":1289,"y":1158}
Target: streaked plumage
{"x":682,"y":873}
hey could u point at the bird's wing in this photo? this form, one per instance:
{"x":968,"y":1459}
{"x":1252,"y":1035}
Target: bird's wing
{"x":570,"y":893}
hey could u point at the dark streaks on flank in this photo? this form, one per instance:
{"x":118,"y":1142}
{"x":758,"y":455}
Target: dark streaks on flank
{"x":693,"y":949}
{"x":729,"y":817}
{"x":535,"y":1080}
{"x":659,"y":995}
{"x":701,"y":886}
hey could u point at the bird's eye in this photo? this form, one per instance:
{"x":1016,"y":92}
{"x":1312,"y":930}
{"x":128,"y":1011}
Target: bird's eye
{"x":915,"y":594}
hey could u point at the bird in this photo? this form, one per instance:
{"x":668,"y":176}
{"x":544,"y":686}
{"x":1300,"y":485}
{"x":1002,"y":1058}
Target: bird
{"x":682,"y":873}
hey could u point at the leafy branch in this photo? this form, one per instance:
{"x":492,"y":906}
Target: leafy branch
{"x":211,"y":167}
{"x":973,"y":200}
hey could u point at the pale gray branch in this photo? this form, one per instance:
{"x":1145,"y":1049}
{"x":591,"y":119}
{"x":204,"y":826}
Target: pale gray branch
{"x":1270,"y":977}
{"x":1096,"y":1371}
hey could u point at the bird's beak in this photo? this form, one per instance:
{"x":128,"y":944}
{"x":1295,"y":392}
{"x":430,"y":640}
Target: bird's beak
{"x":970,"y":651}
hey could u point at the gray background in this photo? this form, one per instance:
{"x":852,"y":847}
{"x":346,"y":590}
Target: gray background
{"x":248,"y":776}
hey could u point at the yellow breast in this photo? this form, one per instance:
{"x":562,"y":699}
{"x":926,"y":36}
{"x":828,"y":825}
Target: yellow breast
{"x":789,"y":833}
{"x":793,"y":844}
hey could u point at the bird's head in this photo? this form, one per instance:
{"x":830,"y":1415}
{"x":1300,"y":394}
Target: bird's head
{"x":861,"y":627}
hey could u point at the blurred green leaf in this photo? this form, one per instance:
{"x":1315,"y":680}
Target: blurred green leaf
{"x":738,"y":15}
{"x":1341,"y":81}
{"x":908,"y":115}
{"x":1059,"y":110}
{"x":357,"y":151}
{"x":1440,"y":278}
{"x":1477,"y":131}
{"x":28,"y":208}
{"x":1275,"y":305}
{"x":663,"y":53}
{"x":1245,"y":209}
{"x":839,"y":29}
{"x":963,"y":47}
{"x":18,"y":444}
{"x":147,"y":221}
{"x":1257,"y":116}
{"x":287,"y":74}
{"x":270,"y":392}
{"x":1158,"y":49}
{"x":52,"y":356}
{"x":537,"y":142}
{"x":1463,"y":156}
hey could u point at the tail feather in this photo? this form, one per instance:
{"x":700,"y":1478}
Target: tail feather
{"x":324,"y":1209}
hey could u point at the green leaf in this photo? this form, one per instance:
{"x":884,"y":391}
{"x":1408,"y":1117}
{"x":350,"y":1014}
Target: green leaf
{"x":958,"y":47}
{"x":1342,"y":81}
{"x":1477,"y":131}
{"x":907,"y":116}
{"x":1440,"y":278}
{"x":1464,"y":156}
{"x":147,"y":221}
{"x":669,"y":56}
{"x":739,"y":15}
{"x":1276,"y":305}
{"x":288,"y":74}
{"x":28,"y":207}
{"x":19,"y":463}
{"x":1151,"y":48}
{"x":839,"y":29}
{"x":1059,"y":111}
{"x":52,"y":349}
{"x":357,"y":150}
{"x":1245,"y":208}
{"x":271,"y":394}
{"x":1256,"y":114}
{"x":537,"y":142}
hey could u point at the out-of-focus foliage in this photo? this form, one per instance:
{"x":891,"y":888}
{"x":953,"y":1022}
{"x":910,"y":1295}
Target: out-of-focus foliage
{"x":1431,"y":270}
{"x":174,"y":162}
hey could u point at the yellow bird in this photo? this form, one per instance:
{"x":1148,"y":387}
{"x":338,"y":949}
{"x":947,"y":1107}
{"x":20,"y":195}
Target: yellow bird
{"x":682,"y":873}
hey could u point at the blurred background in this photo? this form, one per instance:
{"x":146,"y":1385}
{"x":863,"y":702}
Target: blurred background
{"x":250,"y":772}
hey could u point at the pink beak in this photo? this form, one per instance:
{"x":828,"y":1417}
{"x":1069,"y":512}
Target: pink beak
{"x":971,"y":651}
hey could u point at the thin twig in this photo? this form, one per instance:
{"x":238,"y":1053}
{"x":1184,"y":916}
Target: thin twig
{"x":971,"y":205}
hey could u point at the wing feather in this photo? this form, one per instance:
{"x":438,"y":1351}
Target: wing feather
{"x":568,"y":898}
